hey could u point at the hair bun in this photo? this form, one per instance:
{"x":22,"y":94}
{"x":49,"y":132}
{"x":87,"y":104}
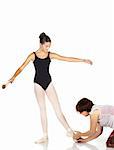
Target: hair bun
{"x":44,"y":38}
{"x":42,"y":35}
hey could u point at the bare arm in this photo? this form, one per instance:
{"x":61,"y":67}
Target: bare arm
{"x":69,"y":59}
{"x":93,"y":124}
{"x":95,"y":128}
{"x":19,"y":70}
{"x":95,"y":135}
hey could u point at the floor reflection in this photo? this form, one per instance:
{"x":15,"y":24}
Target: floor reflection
{"x":44,"y":146}
{"x":77,"y":146}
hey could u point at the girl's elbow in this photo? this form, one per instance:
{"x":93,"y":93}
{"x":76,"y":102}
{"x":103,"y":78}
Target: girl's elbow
{"x":19,"y":70}
{"x":100,"y":132}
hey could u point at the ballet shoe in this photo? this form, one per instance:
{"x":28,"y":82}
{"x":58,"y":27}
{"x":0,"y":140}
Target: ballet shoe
{"x":42,"y":140}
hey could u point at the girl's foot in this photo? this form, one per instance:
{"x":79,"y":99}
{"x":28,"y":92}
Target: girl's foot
{"x":42,"y":140}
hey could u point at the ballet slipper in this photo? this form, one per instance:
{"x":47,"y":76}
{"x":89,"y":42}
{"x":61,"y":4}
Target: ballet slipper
{"x":42,"y":140}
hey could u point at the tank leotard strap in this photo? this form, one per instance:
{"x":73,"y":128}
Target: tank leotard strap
{"x":49,"y":54}
{"x":34,"y":53}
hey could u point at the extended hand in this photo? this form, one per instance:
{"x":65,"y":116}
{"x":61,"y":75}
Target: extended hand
{"x":4,"y":85}
{"x":76,"y":135}
{"x":88,"y":61}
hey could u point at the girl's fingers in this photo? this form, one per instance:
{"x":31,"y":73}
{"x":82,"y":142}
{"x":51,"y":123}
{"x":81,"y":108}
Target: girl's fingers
{"x":4,"y":85}
{"x":81,"y":141}
{"x":90,"y":62}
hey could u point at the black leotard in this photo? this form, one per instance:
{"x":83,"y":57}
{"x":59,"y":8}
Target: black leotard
{"x":42,"y":75}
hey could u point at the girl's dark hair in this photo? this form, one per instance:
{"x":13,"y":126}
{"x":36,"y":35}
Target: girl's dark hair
{"x":84,"y":105}
{"x":44,"y":38}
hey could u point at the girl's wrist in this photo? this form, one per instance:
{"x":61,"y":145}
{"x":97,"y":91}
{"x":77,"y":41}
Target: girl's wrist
{"x":84,"y":60}
{"x":11,"y":80}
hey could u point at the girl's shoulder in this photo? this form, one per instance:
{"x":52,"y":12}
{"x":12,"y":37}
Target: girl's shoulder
{"x":31,"y":56}
{"x":95,"y":109}
{"x":51,"y":54}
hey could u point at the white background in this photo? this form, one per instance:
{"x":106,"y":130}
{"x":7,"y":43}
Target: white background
{"x":78,"y":28}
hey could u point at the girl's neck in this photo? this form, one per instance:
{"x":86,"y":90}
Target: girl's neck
{"x":42,"y":50}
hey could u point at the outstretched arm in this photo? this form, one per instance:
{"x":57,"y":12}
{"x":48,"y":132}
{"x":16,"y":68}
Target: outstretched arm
{"x":19,"y":70}
{"x":93,"y":136}
{"x":89,"y":137}
{"x":69,"y":59}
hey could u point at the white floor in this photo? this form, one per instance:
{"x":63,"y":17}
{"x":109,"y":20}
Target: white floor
{"x":73,"y":146}
{"x":58,"y":144}
{"x":21,"y":140}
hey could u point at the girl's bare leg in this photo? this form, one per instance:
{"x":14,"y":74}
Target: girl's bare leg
{"x":52,"y":95}
{"x":40,"y":95}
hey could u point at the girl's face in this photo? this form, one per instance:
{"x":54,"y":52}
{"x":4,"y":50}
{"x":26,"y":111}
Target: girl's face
{"x":85,"y":113}
{"x":46,"y":46}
